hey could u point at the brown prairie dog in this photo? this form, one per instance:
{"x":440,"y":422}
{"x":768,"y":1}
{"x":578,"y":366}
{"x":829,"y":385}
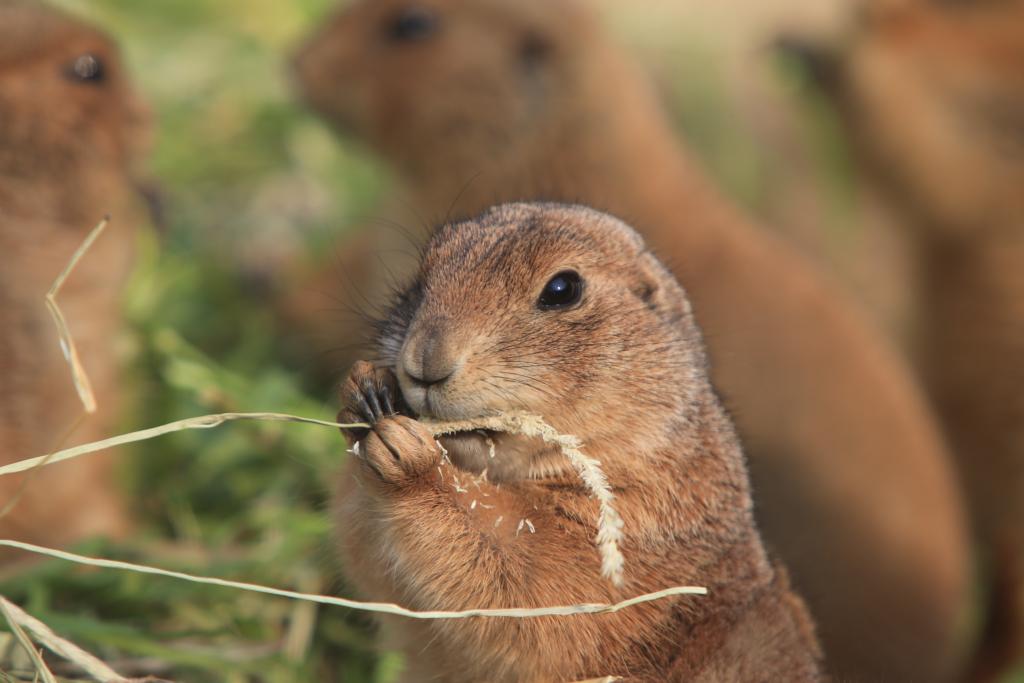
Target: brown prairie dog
{"x":933,"y":94}
{"x":557,"y":311}
{"x":70,"y":134}
{"x":477,"y":102}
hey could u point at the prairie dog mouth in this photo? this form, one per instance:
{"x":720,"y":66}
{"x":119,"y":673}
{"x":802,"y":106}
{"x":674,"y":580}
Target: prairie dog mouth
{"x":471,"y":450}
{"x":505,"y":456}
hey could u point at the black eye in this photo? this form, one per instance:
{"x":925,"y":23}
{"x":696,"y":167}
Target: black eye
{"x":412,"y":24}
{"x":561,"y":291}
{"x":86,"y":68}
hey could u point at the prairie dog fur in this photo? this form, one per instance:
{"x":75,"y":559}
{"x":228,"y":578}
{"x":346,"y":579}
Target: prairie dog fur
{"x":562,"y":312}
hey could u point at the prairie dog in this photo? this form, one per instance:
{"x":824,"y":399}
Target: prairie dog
{"x":71,"y":135}
{"x":498,"y":100}
{"x":558,"y":311}
{"x":933,"y":96}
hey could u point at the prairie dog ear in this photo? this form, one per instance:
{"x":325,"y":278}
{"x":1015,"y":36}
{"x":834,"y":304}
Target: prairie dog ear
{"x":658,"y":289}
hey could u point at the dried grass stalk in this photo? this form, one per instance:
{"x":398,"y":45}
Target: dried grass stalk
{"x":19,"y":620}
{"x":380,"y":607}
{"x":67,"y":344}
{"x":42,"y":671}
{"x":200,"y":422}
{"x":23,"y":486}
{"x":609,"y":524}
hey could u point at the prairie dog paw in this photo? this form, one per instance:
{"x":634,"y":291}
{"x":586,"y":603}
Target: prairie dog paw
{"x":399,"y":449}
{"x":368,"y":395}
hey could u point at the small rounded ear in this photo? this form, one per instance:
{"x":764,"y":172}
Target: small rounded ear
{"x":546,"y":25}
{"x":658,"y":289}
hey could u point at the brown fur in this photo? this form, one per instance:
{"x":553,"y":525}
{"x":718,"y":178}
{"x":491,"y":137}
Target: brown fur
{"x":66,"y":148}
{"x":934,"y":96}
{"x":409,"y":534}
{"x":851,"y":480}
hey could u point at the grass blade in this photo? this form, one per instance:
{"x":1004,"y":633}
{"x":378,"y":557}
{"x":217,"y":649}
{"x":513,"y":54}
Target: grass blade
{"x":379,"y":607}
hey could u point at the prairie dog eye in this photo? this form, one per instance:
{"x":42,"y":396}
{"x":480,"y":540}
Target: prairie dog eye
{"x":561,"y":291}
{"x":86,"y":68}
{"x":411,"y":24}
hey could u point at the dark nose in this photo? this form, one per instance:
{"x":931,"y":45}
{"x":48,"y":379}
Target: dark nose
{"x":428,"y":357}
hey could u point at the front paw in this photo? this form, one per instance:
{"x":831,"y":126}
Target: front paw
{"x":367,"y":395}
{"x":399,"y":450}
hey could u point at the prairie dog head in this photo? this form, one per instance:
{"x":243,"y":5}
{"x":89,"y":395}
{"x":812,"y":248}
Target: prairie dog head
{"x":65,"y":100}
{"x":549,"y":309}
{"x":416,"y":78}
{"x":72,"y":137}
{"x":934,"y":93}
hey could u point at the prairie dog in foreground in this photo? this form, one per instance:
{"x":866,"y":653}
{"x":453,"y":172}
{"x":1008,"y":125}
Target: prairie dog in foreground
{"x":558,"y":311}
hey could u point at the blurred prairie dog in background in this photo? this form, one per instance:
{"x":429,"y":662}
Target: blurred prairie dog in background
{"x":479,"y":102}
{"x":71,"y":133}
{"x":780,"y":150}
{"x":933,"y":97}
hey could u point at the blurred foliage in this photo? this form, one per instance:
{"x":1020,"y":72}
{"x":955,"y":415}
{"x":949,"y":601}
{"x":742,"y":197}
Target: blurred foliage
{"x":249,"y":181}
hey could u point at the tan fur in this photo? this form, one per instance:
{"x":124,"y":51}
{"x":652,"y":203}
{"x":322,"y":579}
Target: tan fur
{"x":66,"y":148}
{"x":851,"y":480}
{"x":410,"y":532}
{"x":934,"y":96}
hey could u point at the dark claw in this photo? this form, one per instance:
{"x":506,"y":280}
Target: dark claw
{"x":385,"y":398}
{"x":370,"y":395}
{"x":366,"y":410}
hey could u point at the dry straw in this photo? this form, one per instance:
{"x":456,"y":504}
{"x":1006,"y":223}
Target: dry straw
{"x":379,"y":607}
{"x":67,"y":346}
{"x":42,"y":671}
{"x":200,"y":422}
{"x":67,"y":342}
{"x":609,"y":524}
{"x":20,"y":622}
{"x":79,"y":377}
{"x":528,"y":425}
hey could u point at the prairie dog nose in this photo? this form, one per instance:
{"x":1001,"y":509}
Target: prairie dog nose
{"x":428,"y":356}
